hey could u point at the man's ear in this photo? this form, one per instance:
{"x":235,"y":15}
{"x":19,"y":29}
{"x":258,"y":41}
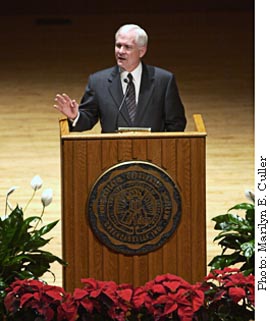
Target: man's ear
{"x":142,"y":51}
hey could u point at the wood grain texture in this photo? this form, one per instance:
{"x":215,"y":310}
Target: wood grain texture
{"x":184,"y":253}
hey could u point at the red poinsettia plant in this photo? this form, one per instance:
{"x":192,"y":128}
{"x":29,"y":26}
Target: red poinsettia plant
{"x":224,"y":295}
{"x":103,"y":300}
{"x":33,"y":300}
{"x":229,"y":295}
{"x":168,"y":297}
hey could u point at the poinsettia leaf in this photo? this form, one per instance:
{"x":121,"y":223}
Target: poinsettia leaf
{"x":79,"y":294}
{"x":125,"y":294}
{"x":198,"y":300}
{"x":158,"y":288}
{"x":170,"y":307}
{"x":139,"y":297}
{"x":89,"y":282}
{"x":172,"y":285}
{"x":25,"y":298}
{"x":55,"y":293}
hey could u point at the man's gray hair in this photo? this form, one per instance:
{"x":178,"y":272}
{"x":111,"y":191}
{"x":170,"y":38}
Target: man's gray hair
{"x":141,"y":36}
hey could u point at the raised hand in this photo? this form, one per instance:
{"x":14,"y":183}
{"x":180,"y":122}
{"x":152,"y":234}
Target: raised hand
{"x":67,"y":106}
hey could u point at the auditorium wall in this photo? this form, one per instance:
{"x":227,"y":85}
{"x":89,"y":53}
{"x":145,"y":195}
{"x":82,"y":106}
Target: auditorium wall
{"x":58,"y":7}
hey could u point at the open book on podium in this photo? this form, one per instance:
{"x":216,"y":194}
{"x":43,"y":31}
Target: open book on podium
{"x":133,"y":205}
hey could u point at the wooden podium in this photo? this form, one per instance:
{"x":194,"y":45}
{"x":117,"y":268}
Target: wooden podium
{"x":84,"y":157}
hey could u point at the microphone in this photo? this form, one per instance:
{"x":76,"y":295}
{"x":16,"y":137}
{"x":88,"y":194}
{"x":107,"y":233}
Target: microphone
{"x":122,"y":104}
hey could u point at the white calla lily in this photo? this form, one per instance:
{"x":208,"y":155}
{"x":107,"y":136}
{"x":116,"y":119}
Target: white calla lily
{"x":36,"y":182}
{"x":11,"y":190}
{"x":250,"y":195}
{"x":46,"y":197}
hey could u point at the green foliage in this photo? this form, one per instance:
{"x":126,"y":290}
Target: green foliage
{"x":21,"y":243}
{"x":20,"y":253}
{"x":237,"y":236}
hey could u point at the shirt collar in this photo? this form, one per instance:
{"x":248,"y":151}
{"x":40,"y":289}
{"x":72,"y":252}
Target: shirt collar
{"x":136,"y":73}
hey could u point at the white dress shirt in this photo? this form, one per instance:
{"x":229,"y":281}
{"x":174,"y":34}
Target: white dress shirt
{"x":137,"y":76}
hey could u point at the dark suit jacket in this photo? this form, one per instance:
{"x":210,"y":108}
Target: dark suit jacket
{"x":159,"y":106}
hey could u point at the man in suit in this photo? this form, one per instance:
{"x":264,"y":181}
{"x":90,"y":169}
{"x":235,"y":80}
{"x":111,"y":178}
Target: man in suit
{"x":150,"y":92}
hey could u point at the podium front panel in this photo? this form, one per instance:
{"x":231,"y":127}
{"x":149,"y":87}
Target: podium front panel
{"x":84,"y":159}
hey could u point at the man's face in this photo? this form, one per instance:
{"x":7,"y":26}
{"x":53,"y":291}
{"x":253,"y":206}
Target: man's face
{"x":127,"y":52}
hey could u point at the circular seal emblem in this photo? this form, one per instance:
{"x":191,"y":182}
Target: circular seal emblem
{"x":134,"y":207}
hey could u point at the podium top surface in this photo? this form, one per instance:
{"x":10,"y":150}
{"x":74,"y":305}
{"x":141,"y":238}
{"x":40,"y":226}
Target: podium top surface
{"x":200,"y":131}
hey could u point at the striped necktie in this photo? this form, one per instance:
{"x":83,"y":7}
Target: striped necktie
{"x":130,"y":99}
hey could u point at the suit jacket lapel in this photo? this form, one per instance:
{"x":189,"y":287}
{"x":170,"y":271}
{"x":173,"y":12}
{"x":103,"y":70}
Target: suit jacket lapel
{"x":146,"y":91}
{"x":116,"y":91}
{"x":115,"y":87}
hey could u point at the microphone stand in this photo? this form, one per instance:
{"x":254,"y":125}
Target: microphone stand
{"x":122,"y":104}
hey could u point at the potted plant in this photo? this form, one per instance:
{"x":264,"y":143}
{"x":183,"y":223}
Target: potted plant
{"x":21,"y":242}
{"x":224,"y":295}
{"x":237,"y":237}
